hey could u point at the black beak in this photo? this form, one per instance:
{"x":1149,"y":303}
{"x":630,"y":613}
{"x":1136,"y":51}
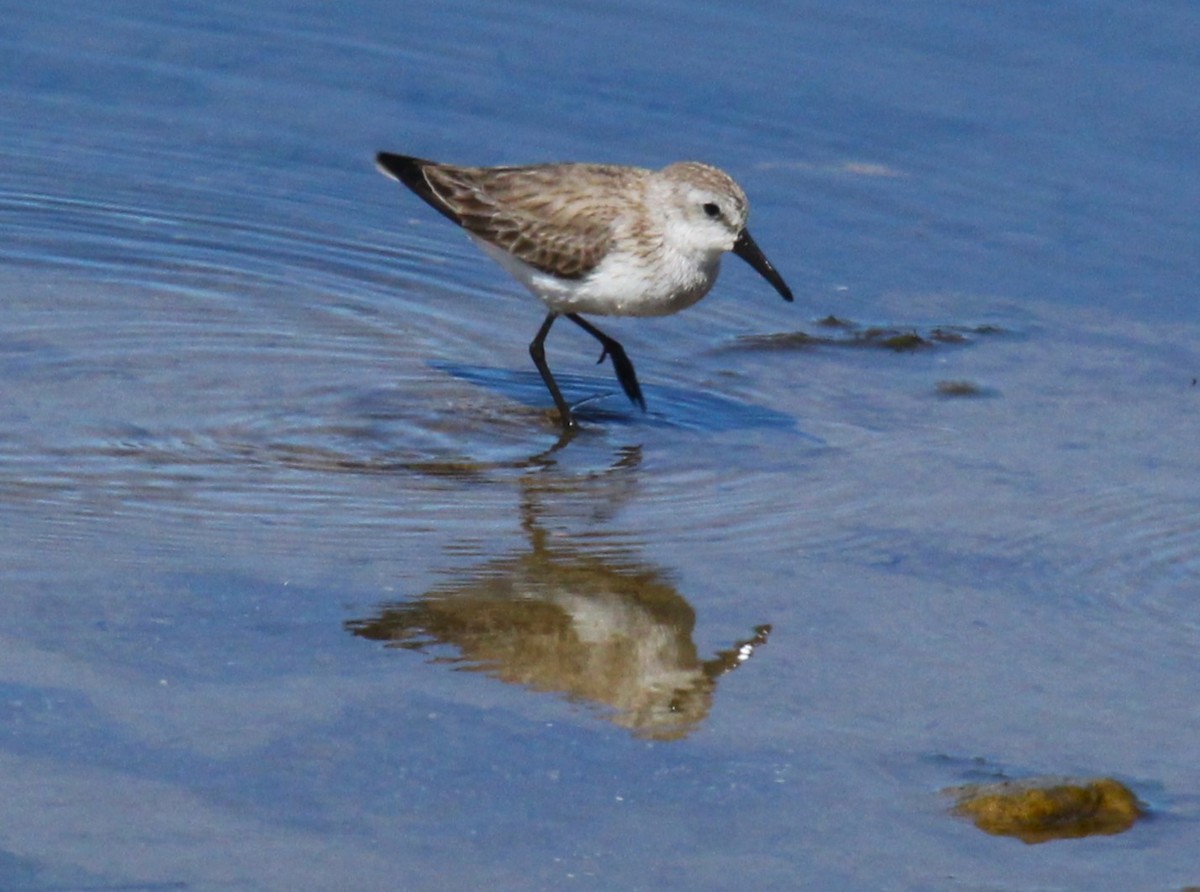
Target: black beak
{"x":746,"y":249}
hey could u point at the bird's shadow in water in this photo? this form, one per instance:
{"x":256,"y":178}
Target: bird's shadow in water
{"x":594,"y":399}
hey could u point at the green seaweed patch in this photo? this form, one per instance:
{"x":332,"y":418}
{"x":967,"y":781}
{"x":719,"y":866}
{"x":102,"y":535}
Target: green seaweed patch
{"x":1042,"y":809}
{"x":900,"y":341}
{"x":846,"y":333}
{"x":784,"y":340}
{"x":832,"y":321}
{"x":961,"y":389}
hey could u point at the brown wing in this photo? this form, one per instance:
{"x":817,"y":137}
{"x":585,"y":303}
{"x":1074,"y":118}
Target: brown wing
{"x":555,"y":217}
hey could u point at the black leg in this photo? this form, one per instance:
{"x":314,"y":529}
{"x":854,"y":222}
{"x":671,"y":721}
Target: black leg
{"x":537,"y":350}
{"x":621,"y":364}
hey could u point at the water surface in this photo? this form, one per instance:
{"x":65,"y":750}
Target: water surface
{"x":302,"y":591}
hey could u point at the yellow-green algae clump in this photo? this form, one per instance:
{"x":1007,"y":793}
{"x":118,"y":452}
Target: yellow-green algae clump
{"x":1042,"y":809}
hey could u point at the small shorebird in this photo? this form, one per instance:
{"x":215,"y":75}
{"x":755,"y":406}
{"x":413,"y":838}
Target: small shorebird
{"x":596,"y":238}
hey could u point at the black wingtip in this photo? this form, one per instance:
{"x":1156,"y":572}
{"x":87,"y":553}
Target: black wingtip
{"x":406,"y":169}
{"x":411,"y":172}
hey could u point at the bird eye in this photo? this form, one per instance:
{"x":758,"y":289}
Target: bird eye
{"x":713,"y":210}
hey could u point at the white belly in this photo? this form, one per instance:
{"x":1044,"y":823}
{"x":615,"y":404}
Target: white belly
{"x":621,"y":285}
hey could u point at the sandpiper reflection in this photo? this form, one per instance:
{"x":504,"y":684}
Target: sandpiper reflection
{"x":594,"y":624}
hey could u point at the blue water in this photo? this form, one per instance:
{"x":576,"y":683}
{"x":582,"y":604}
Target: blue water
{"x":255,"y":398}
